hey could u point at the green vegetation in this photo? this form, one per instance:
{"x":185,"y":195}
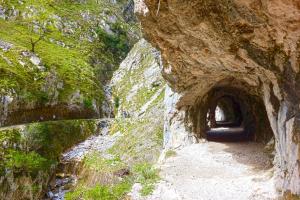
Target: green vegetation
{"x":52,"y":138}
{"x":108,"y":184}
{"x":170,"y":153}
{"x":68,"y":65}
{"x":130,"y":160}
{"x":30,"y":162}
{"x":88,"y":103}
{"x":31,"y":152}
{"x":77,"y":53}
{"x":134,"y":76}
{"x":110,"y":50}
{"x":103,"y":192}
{"x":141,"y":139}
{"x":134,"y":151}
{"x":116,"y":102}
{"x":147,"y":176}
{"x":94,"y":161}
{"x":80,"y":44}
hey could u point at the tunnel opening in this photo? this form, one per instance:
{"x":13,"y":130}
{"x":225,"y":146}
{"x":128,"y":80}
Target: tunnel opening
{"x":224,"y":120}
{"x":225,"y":113}
{"x":231,"y":111}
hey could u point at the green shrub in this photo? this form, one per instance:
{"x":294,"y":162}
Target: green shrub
{"x":50,"y":139}
{"x":116,"y":102}
{"x":114,"y":43}
{"x":88,"y":103}
{"x":101,"y":192}
{"x":146,"y":175}
{"x":31,"y":162}
{"x":98,"y":192}
{"x":10,"y":137}
{"x":109,"y":50}
{"x":121,"y":189}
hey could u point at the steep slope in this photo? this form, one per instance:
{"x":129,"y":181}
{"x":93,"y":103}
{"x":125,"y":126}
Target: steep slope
{"x":55,"y":56}
{"x":136,"y":133}
{"x":44,"y":160}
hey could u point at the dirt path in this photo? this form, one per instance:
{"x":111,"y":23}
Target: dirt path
{"x":216,"y":171}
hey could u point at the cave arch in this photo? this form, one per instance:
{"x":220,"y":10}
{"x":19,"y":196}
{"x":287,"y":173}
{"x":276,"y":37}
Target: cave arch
{"x":224,"y":112}
{"x":243,"y":106}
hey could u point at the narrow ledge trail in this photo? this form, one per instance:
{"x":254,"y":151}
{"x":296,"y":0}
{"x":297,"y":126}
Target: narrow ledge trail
{"x":216,"y":171}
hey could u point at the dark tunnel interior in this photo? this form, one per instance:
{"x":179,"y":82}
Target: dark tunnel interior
{"x":231,"y":114}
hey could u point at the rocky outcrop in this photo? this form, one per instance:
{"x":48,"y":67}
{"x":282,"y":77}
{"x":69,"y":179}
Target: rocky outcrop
{"x":137,"y":84}
{"x":138,"y":91}
{"x":56,"y":56}
{"x":132,"y":140}
{"x":250,"y":47}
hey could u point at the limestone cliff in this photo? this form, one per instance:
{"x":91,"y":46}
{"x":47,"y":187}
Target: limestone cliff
{"x":134,"y":140}
{"x":249,"y":49}
{"x":46,"y":161}
{"x":55,"y":56}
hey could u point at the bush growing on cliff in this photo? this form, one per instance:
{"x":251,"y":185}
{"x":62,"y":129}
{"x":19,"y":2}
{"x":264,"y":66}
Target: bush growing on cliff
{"x":52,"y":138}
{"x":88,"y":103}
{"x":116,"y":43}
{"x":30,"y":162}
{"x":40,"y":144}
{"x":116,"y":102}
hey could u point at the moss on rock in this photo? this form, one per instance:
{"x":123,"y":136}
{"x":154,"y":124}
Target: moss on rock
{"x":30,"y":153}
{"x":61,"y":53}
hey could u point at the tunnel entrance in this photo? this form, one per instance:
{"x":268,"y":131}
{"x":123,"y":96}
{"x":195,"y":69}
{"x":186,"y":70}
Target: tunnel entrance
{"x":225,"y":120}
{"x":225,"y":113}
{"x":231,"y":112}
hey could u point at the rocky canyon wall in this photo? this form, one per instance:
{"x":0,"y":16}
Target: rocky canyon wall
{"x":55,"y":57}
{"x":249,"y":46}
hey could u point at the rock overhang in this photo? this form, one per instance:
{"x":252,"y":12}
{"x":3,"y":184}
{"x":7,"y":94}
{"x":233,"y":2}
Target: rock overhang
{"x":252,"y":45}
{"x":203,"y":42}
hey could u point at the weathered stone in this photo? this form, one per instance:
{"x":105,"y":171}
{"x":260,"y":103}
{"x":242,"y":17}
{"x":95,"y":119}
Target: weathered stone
{"x":35,"y":60}
{"x":249,"y":45}
{"x":5,"y":46}
{"x":136,"y":78}
{"x":2,"y":12}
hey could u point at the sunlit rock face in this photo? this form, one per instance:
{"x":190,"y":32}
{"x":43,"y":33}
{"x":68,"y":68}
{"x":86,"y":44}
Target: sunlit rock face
{"x":250,"y":45}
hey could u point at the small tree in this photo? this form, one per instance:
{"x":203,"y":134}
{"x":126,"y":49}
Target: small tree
{"x":36,"y":41}
{"x":41,"y":26}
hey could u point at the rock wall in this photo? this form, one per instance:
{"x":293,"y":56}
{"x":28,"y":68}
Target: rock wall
{"x":250,"y":45}
{"x":138,"y":91}
{"x":137,"y":85}
{"x":55,"y":57}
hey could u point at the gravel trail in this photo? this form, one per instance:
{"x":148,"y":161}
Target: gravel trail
{"x":216,"y":171}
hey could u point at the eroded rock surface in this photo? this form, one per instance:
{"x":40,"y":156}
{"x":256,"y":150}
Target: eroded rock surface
{"x":251,"y":46}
